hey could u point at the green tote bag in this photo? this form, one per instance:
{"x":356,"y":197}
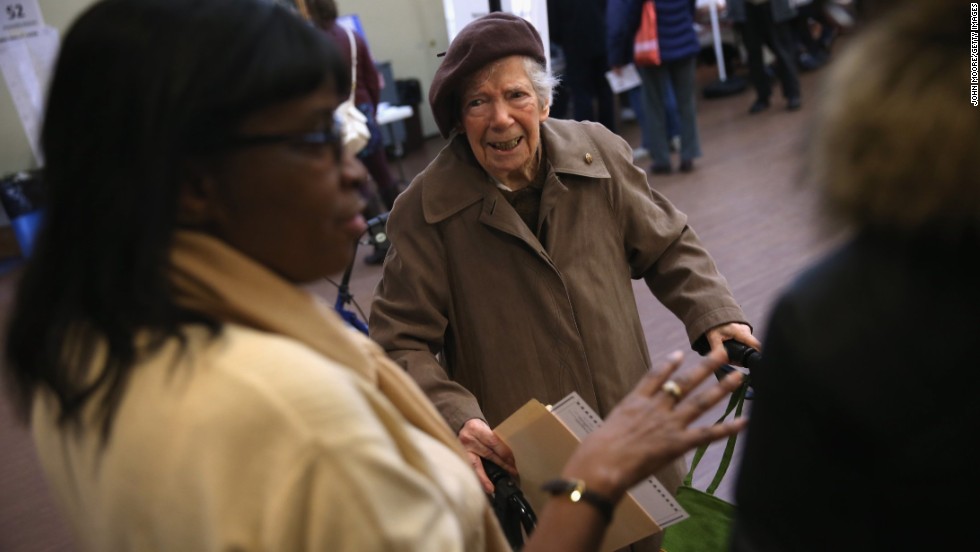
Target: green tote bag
{"x":707,"y":529}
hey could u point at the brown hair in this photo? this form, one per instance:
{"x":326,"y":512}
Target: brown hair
{"x":895,"y":141}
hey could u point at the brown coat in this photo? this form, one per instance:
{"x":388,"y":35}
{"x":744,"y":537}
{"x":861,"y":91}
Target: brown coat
{"x":513,"y":318}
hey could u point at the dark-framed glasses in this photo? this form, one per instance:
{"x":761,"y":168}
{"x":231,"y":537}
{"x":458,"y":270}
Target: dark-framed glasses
{"x":310,"y":142}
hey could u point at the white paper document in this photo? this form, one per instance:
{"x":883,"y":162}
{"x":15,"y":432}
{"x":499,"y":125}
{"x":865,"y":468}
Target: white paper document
{"x":650,"y":494}
{"x":627,"y":79}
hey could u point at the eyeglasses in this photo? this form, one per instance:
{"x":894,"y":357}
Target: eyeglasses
{"x":308,"y":142}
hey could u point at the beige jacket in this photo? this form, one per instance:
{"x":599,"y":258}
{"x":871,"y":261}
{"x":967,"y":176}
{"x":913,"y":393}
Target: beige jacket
{"x":485,"y":315}
{"x":252,"y":441}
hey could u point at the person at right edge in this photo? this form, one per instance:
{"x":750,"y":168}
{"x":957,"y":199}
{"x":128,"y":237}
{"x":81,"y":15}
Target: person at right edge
{"x":512,"y":256}
{"x":768,"y":23}
{"x":865,"y":418}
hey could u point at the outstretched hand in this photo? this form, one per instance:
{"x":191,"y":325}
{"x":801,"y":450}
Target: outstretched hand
{"x":480,"y":441}
{"x":650,"y":427}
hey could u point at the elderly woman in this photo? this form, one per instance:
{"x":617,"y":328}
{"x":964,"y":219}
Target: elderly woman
{"x":185,"y":391}
{"x":509,"y":276}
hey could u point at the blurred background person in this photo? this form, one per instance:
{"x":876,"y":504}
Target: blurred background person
{"x":679,"y":48}
{"x":367,"y":96}
{"x":619,"y":49}
{"x":768,"y":23}
{"x":579,"y":27}
{"x":812,"y":49}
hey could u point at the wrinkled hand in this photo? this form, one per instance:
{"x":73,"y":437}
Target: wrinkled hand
{"x":649,"y":428}
{"x":740,"y":332}
{"x":480,"y":441}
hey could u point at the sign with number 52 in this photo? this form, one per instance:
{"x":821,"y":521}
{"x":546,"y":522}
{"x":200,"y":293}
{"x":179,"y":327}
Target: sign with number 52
{"x":19,"y":18}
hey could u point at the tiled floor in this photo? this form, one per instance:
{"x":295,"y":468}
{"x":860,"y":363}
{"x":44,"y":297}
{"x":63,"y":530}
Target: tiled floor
{"x":745,"y":200}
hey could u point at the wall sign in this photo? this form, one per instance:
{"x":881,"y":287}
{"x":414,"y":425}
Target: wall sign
{"x":19,"y":18}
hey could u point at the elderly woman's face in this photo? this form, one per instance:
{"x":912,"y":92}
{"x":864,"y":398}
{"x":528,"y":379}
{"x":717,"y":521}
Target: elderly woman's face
{"x":502,"y":121}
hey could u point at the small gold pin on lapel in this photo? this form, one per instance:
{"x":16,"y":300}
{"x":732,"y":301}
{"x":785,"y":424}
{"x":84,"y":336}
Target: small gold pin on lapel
{"x":588,"y":158}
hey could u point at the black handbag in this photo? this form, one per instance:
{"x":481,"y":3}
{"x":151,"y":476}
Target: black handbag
{"x":514,"y":512}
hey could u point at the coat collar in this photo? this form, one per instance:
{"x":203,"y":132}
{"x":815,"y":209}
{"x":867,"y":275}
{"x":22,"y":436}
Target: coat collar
{"x":455,"y":180}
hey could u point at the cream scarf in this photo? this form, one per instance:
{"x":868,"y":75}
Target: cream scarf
{"x":212,"y":278}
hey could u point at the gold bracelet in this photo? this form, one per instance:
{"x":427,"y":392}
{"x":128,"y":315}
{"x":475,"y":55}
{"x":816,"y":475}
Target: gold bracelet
{"x":575,"y":490}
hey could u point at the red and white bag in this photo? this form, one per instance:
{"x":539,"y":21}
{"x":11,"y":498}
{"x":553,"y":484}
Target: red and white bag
{"x":646,"y":47}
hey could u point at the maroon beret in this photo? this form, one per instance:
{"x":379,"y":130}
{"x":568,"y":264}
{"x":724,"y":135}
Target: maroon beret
{"x":484,"y":40}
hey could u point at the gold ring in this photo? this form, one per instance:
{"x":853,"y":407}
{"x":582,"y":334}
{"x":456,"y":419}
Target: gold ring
{"x":671,"y":388}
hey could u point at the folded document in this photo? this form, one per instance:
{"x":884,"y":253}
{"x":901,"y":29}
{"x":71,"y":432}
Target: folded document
{"x":543,"y":438}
